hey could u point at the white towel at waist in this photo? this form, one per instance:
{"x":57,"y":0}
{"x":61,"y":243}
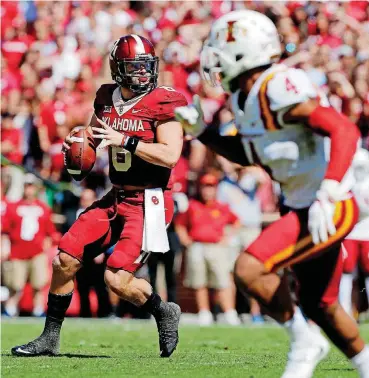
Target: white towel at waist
{"x":154,"y":238}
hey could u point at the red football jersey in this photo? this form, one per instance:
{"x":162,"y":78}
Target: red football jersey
{"x":28,"y":224}
{"x":136,"y":117}
{"x":206,"y":223}
{"x":3,"y":207}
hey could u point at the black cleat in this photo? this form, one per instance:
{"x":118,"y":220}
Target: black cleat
{"x":47,"y":344}
{"x":31,"y":350}
{"x":168,"y":322}
{"x":38,"y":347}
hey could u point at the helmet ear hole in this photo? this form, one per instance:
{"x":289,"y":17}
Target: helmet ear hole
{"x":239,"y":57}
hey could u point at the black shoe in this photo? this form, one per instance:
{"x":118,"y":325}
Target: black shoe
{"x":168,"y":322}
{"x":45,"y":345}
{"x":32,"y":350}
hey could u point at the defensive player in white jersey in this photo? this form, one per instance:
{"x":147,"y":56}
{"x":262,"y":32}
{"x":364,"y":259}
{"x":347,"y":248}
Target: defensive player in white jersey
{"x":281,"y":123}
{"x":355,"y":248}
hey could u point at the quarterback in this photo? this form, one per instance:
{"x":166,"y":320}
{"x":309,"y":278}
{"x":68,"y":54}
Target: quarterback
{"x":135,"y":119}
{"x":283,"y":122}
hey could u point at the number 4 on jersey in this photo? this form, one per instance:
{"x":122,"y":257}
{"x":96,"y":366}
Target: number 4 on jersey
{"x":290,"y":86}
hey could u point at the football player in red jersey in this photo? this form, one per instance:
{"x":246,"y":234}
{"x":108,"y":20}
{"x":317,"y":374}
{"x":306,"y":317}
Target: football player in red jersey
{"x":135,"y":119}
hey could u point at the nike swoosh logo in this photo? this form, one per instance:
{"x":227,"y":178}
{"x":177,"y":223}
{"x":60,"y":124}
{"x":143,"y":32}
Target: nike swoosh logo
{"x":22,"y":351}
{"x":136,"y":111}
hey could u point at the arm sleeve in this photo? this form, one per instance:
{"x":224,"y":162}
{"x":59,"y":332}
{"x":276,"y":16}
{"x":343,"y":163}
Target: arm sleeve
{"x":230,"y":147}
{"x":344,"y":136}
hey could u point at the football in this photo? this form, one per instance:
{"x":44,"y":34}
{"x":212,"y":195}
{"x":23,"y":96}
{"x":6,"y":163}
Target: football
{"x":80,"y":158}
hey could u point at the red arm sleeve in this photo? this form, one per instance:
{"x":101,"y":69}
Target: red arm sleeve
{"x":344,"y":137}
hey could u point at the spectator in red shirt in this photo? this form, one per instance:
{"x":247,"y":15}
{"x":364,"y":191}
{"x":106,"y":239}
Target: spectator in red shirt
{"x":5,"y":247}
{"x":55,"y":153}
{"x":11,"y":139}
{"x":10,"y":86}
{"x":201,"y":229}
{"x":12,"y":149}
{"x":28,"y":225}
{"x":52,"y":113}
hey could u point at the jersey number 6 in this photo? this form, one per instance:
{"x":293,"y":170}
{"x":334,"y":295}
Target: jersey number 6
{"x":121,"y":158}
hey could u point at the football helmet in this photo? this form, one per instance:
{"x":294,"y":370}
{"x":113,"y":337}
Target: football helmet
{"x":238,"y":42}
{"x":133,"y":63}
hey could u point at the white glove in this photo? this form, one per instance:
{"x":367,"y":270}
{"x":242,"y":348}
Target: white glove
{"x":320,"y":220}
{"x":333,"y":190}
{"x":191,"y":117}
{"x":321,"y":212}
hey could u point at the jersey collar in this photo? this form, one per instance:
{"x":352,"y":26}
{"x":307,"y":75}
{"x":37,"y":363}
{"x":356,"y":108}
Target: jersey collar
{"x":122,"y":106}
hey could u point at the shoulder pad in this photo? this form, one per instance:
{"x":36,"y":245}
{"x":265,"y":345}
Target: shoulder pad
{"x":166,"y":99}
{"x":104,"y":96}
{"x":289,"y":87}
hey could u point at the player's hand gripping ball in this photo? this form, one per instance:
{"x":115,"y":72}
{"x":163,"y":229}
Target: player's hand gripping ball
{"x":79,"y":153}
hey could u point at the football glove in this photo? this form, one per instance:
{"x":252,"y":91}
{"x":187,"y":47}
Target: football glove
{"x":333,"y":190}
{"x":191,"y":117}
{"x":320,"y":220}
{"x":321,"y":212}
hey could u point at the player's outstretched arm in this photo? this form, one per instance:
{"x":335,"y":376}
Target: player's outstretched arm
{"x":192,"y":120}
{"x":228,"y":146}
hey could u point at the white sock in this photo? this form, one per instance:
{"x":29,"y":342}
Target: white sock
{"x":38,"y":311}
{"x":297,"y":326}
{"x":11,"y":309}
{"x":346,"y":292}
{"x":231,"y":317}
{"x":367,"y":287}
{"x":361,"y":362}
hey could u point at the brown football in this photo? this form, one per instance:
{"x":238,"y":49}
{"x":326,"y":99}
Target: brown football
{"x":81,"y":156}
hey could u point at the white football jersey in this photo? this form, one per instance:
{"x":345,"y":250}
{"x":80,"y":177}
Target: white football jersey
{"x":292,"y":153}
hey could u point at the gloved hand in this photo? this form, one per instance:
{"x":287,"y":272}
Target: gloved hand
{"x":191,"y":117}
{"x":321,"y":212}
{"x":320,"y":220}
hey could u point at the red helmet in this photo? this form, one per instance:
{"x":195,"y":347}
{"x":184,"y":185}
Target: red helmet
{"x":133,"y":63}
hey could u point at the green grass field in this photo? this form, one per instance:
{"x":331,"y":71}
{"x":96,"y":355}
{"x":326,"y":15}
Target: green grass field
{"x":130,"y":349}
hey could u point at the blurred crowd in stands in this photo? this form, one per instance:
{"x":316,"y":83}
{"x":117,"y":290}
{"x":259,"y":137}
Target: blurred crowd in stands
{"x":54,"y":56}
